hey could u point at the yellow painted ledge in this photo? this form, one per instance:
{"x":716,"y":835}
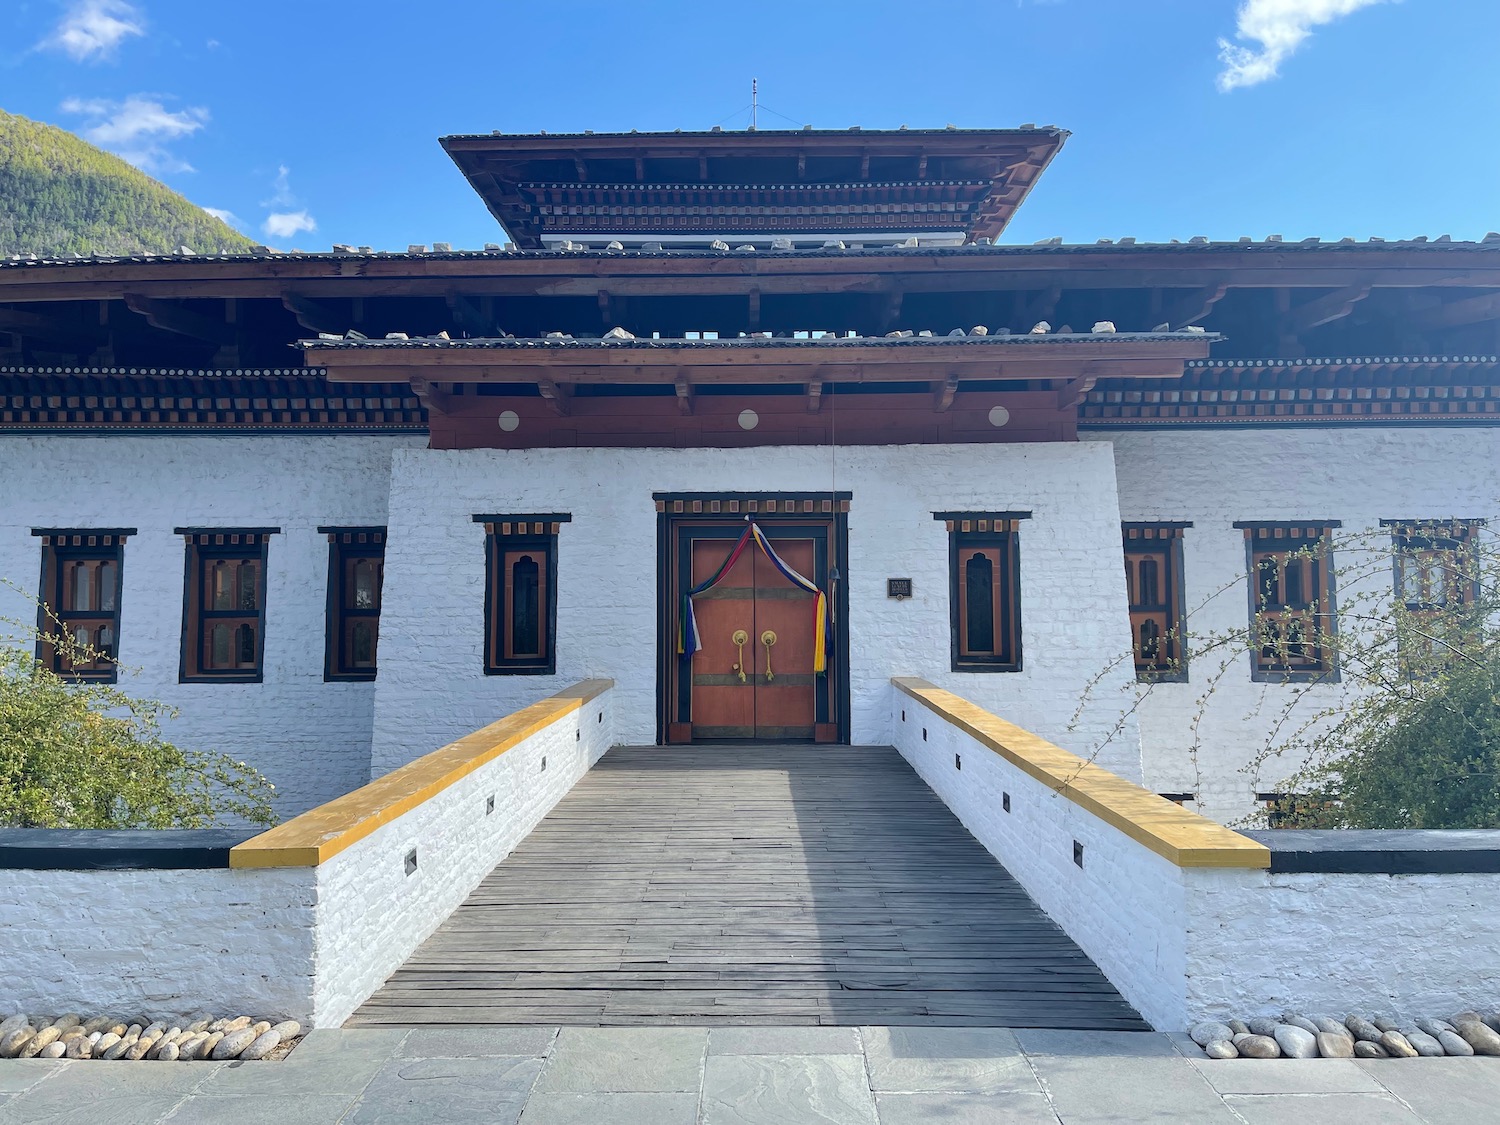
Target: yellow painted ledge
{"x":321,"y":833}
{"x":1183,"y":837}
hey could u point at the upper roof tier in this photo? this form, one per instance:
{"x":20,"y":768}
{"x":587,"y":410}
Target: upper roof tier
{"x":806,"y":186}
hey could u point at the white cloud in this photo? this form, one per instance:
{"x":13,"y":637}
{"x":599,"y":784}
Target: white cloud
{"x":284,"y":224}
{"x":1280,"y":27}
{"x":281,"y":189}
{"x":138,"y":129}
{"x":92,"y":29}
{"x":224,"y":216}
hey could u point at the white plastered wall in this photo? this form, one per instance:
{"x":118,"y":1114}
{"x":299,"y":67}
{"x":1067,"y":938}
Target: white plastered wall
{"x":1214,"y":478}
{"x":432,"y":687}
{"x":309,"y":737}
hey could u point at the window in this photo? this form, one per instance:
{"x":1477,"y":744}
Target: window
{"x":1291,"y":601}
{"x":984,"y":590}
{"x":1153,"y":577}
{"x":356,"y":570}
{"x":520,"y":600}
{"x":1436,"y":577}
{"x":80,"y":600}
{"x":224,"y":604}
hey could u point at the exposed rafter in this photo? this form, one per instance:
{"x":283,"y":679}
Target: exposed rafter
{"x":185,"y":322}
{"x":815,"y":396}
{"x":558,"y":396}
{"x":943,"y":393}
{"x":1194,"y":306}
{"x":434,"y":398}
{"x":1468,"y":310}
{"x":26,"y":323}
{"x":684,"y":395}
{"x":1071,"y":393}
{"x":1333,"y":306}
{"x":315,"y":316}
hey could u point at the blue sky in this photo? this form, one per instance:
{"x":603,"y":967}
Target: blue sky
{"x":316,"y":121}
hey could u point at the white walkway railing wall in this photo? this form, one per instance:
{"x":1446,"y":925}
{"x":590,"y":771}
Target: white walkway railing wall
{"x":309,"y":918}
{"x":1187,"y":918}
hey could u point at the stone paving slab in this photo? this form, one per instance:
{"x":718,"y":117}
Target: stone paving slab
{"x":750,"y":1076}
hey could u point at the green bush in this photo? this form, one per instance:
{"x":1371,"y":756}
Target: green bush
{"x":91,"y":756}
{"x":1436,"y":765}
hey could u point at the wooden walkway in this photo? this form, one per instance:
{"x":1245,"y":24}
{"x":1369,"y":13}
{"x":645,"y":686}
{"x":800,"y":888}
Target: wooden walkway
{"x":742,"y":885}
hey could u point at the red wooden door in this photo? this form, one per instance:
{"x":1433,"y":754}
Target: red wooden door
{"x":753,"y":678}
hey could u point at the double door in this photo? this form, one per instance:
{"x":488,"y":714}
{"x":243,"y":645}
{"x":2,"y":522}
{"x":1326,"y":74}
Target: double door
{"x":753,"y":677}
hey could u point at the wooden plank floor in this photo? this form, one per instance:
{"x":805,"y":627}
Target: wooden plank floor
{"x":750,"y":884}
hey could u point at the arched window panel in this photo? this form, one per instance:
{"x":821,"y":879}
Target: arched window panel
{"x":224,"y":614}
{"x":80,"y":596}
{"x":521,"y":594}
{"x":356,"y":577}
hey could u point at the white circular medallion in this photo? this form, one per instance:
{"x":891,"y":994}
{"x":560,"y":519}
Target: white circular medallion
{"x":999,"y":416}
{"x":749,"y":419}
{"x":509,"y":420}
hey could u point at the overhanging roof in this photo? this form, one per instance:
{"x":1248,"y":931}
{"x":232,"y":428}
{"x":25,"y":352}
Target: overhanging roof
{"x":759,"y":360}
{"x":964,"y":183}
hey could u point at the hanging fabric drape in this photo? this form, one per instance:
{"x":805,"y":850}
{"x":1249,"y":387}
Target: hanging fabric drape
{"x":688,"y":640}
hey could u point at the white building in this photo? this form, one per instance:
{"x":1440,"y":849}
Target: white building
{"x":501,"y":471}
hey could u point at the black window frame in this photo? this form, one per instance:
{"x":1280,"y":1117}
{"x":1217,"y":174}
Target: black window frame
{"x":203,"y":544}
{"x":60,"y":546}
{"x":1163,"y":540}
{"x":984,"y":531}
{"x":348,"y":545}
{"x":532,"y":533}
{"x":1285,"y":539}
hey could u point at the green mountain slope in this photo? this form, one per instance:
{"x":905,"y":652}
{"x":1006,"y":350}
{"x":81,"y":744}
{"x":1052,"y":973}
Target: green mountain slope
{"x":61,"y":195}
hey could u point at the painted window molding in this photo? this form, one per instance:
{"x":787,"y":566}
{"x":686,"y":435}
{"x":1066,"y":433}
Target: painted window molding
{"x":984,"y":590}
{"x":1293,"y":615}
{"x":356,"y":575}
{"x":224,"y":604}
{"x":520,"y":593}
{"x":1435,"y":572}
{"x":80,"y":593}
{"x":1153,"y":577}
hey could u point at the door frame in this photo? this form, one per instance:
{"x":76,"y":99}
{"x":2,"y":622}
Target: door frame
{"x":674,"y":510}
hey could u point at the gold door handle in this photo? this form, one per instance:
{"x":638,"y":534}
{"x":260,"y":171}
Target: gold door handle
{"x":768,"y":638}
{"x":739,"y":640}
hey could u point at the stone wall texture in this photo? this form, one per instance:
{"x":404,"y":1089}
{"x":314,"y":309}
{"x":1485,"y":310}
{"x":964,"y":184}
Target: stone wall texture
{"x":310,"y":738}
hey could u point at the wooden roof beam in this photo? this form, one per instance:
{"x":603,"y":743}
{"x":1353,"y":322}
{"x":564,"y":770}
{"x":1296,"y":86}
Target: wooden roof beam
{"x":434,"y":398}
{"x":1194,"y":307}
{"x":26,"y":323}
{"x":943,"y":394}
{"x":185,"y":322}
{"x":1454,"y":314}
{"x":1071,"y":393}
{"x":684,"y":395}
{"x":815,"y":396}
{"x":314,"y":315}
{"x":1322,"y":310}
{"x":1041,"y":306}
{"x":558,"y":396}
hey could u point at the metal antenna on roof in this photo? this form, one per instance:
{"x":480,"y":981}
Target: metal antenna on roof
{"x":754,"y":102}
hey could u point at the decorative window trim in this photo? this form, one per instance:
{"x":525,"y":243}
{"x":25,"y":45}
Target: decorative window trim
{"x":345,"y":546}
{"x":59,"y":546}
{"x":989,"y":531}
{"x":531,"y":533}
{"x":1454,"y":538}
{"x":1162,"y":539}
{"x":1453,"y":535}
{"x":1267,"y":537}
{"x":201,"y":543}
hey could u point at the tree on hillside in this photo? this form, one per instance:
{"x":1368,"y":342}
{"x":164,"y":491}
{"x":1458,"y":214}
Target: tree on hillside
{"x":61,"y":196}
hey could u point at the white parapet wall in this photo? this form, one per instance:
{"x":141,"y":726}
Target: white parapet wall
{"x":157,"y":942}
{"x":309,"y":918}
{"x":1189,"y":919}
